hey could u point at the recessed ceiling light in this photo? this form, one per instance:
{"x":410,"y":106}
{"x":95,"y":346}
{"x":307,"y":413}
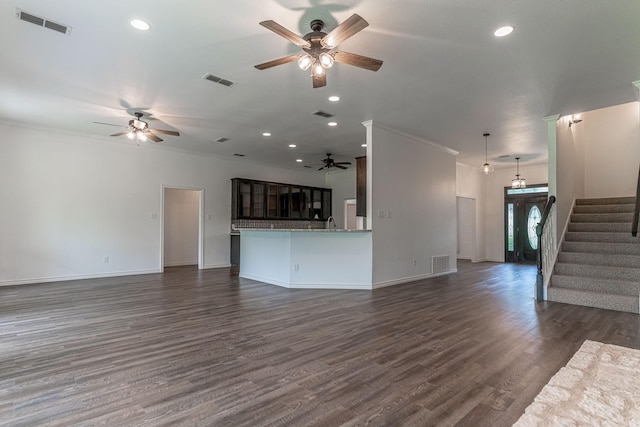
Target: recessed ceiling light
{"x":299,"y":160}
{"x":363,"y":145}
{"x":334,"y":98}
{"x":503,"y":31}
{"x":266,"y":133}
{"x":292,"y":145}
{"x":139,"y":24}
{"x":332,"y":124}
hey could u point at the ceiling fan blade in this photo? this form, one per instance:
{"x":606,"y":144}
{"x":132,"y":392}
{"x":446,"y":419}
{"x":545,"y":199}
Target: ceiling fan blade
{"x":351,"y":26}
{"x":151,"y":136}
{"x":283,"y":32}
{"x":319,"y":81}
{"x":108,"y":124}
{"x":321,"y":168}
{"x":279,"y":61}
{"x":121,"y":133}
{"x":340,"y":166}
{"x":166,"y":132}
{"x":357,"y":60}
{"x":342,"y":163}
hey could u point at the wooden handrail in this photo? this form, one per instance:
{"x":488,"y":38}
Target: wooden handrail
{"x":636,"y":212}
{"x":539,"y":229}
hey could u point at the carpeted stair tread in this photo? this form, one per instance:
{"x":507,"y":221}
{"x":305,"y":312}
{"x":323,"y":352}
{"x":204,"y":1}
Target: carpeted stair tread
{"x":607,"y":201}
{"x":601,"y":247}
{"x":601,"y":209}
{"x":602,"y":217}
{"x":594,"y":299}
{"x":618,"y":287}
{"x":596,"y":236}
{"x":600,"y":259}
{"x":597,"y":271}
{"x":601,"y":227}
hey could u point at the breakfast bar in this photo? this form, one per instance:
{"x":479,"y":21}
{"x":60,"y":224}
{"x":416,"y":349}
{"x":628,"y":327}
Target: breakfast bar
{"x":307,"y":258}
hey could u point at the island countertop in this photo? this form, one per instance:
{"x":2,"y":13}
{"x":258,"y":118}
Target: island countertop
{"x":306,"y":230}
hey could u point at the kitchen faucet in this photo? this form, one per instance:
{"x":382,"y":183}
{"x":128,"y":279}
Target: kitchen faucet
{"x":329,"y":221}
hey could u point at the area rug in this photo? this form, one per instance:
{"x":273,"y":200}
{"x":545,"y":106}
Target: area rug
{"x":599,"y":386}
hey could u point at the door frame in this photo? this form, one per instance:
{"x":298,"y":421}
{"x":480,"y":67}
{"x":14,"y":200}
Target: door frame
{"x":200,"y":223}
{"x":530,"y":192}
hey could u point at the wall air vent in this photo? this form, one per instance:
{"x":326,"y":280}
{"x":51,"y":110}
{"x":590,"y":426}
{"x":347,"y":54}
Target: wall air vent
{"x":42,"y":22}
{"x":440,"y":264}
{"x":219,"y":80}
{"x":323,"y":114}
{"x":222,"y":139}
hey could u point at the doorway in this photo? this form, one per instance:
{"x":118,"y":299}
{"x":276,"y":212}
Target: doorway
{"x":181,"y":227}
{"x":523,"y":210}
{"x":466,"y":219}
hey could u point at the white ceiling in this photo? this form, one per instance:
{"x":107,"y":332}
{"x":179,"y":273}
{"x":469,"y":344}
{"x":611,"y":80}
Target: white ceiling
{"x":445,"y":77}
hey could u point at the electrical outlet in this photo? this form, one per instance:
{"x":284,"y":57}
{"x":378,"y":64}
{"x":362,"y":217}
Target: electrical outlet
{"x":415,"y":262}
{"x":106,"y":260}
{"x":388,"y":214}
{"x":296,"y":267}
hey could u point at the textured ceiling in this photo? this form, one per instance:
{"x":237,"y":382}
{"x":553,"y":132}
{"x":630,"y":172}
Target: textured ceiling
{"x":445,"y":77}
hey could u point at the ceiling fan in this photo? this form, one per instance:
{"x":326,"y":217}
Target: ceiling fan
{"x":140,"y":130}
{"x":329,"y":163}
{"x":317,"y":46}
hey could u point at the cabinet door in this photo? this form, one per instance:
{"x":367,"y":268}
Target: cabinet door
{"x":244,"y":199}
{"x":316,"y":206}
{"x":361,"y":186}
{"x":305,"y":203}
{"x":272,"y":201}
{"x":326,"y":204}
{"x":283,"y":201}
{"x":296,"y":203}
{"x":258,"y":200}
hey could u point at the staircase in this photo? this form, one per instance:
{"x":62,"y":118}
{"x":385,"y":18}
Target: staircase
{"x":599,"y":262}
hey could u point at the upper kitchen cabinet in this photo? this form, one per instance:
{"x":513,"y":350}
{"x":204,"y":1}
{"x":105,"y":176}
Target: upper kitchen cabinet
{"x":251,"y":199}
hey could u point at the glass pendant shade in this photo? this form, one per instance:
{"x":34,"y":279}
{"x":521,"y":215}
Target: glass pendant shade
{"x":305,"y":62}
{"x":326,"y":60}
{"x":131,"y":135}
{"x":318,"y":70}
{"x":487,"y":168}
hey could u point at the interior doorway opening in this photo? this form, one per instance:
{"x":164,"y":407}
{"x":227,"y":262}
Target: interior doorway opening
{"x":182,"y":234}
{"x":522,"y":212}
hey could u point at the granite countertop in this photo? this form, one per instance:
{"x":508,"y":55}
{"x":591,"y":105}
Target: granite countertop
{"x":313,"y":230}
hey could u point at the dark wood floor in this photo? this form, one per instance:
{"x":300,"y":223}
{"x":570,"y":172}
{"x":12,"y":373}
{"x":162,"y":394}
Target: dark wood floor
{"x":192,"y":347}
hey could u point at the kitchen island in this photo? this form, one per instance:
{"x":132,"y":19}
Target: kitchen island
{"x":307,"y":258}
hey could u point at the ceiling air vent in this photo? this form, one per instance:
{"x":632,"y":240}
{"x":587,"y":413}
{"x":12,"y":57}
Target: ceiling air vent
{"x":219,"y":80}
{"x":42,"y":22}
{"x":323,"y":114}
{"x":222,"y":139}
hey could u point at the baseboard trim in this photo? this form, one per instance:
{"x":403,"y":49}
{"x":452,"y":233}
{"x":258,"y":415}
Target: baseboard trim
{"x":76,"y":277}
{"x":326,"y":286}
{"x":411,"y":279}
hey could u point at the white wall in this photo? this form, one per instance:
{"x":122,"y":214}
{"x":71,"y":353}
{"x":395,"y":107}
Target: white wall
{"x":612,"y":150}
{"x":413,"y":185}
{"x":494,"y":204}
{"x":181,"y":226}
{"x":69,"y":201}
{"x":343,"y":186}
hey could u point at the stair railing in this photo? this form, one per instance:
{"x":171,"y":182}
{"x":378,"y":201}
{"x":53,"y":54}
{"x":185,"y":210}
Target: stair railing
{"x":636,"y":212}
{"x":540,"y":228}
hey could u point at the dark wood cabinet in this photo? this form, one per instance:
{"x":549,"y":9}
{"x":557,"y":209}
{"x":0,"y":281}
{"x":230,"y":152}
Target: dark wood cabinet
{"x":251,"y":199}
{"x":361,"y":186}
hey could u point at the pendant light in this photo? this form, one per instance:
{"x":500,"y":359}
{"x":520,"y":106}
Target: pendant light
{"x":486,"y":168}
{"x":518,"y":182}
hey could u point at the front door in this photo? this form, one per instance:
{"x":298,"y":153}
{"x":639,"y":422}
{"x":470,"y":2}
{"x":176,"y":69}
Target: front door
{"x":523,"y":212}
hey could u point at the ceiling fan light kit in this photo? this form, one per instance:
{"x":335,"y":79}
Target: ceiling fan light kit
{"x":140,"y":131}
{"x":318,"y":48}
